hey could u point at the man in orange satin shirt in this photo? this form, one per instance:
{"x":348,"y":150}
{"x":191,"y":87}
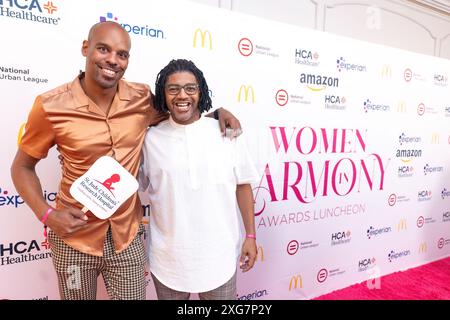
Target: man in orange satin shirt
{"x":96,"y":114}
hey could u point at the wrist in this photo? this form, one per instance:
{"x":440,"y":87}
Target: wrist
{"x":216,"y":114}
{"x":250,"y":236}
{"x":46,"y":214}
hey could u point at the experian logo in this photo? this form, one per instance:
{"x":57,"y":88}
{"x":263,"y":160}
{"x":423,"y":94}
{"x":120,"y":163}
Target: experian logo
{"x":372,"y":232}
{"x":369,"y":106}
{"x":15,"y":200}
{"x":255,"y":295}
{"x":29,"y":10}
{"x":403,"y":139}
{"x":135,"y":29}
{"x":396,"y":255}
{"x":343,"y":65}
{"x":427,"y":169}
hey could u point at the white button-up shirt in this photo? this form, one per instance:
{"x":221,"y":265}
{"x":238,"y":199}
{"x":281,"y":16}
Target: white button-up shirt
{"x":191,"y":172}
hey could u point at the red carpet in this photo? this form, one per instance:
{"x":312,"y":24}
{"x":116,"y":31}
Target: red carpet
{"x":427,"y":282}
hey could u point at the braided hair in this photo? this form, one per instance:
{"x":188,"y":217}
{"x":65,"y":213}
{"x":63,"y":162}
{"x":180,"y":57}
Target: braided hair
{"x":181,"y":65}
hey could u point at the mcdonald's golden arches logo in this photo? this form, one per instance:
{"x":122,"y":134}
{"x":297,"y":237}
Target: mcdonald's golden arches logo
{"x":296,"y":282}
{"x":401,"y":225}
{"x":203,"y":38}
{"x":423,"y":247}
{"x":435,"y":138}
{"x":247,"y":91}
{"x":401,"y":107}
{"x":386,"y":71}
{"x":260,"y":254}
{"x":21,"y":132}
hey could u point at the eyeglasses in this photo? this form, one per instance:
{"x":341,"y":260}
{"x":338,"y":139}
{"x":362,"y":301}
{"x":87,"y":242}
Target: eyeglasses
{"x":174,"y":89}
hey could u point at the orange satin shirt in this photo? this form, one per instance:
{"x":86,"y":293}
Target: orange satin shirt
{"x":82,"y":132}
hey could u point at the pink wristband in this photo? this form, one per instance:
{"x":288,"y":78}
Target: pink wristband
{"x":251,"y":236}
{"x":45,"y":217}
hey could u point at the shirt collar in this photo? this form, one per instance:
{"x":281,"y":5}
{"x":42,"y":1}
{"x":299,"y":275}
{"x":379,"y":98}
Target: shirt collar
{"x":180,"y":126}
{"x":82,"y":100}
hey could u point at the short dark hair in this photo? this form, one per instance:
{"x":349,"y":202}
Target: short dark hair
{"x":181,"y":65}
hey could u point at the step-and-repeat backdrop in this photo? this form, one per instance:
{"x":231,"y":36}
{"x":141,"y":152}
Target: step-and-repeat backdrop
{"x":352,"y":139}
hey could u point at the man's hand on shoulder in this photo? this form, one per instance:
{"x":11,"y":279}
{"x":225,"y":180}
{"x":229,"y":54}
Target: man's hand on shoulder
{"x":229,"y":124}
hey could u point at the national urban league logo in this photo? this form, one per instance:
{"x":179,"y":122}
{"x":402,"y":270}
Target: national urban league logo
{"x":407,"y":75}
{"x":139,"y":30}
{"x":281,"y":97}
{"x":292,"y":247}
{"x":322,"y":275}
{"x":245,"y":47}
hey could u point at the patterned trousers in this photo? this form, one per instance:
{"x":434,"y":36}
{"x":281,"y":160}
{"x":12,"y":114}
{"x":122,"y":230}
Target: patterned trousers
{"x":123,"y":273}
{"x":226,"y":291}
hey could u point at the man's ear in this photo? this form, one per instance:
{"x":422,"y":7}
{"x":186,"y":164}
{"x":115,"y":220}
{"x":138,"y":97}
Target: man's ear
{"x":84,"y":48}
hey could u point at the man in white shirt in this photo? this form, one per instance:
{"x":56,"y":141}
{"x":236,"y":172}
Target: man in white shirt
{"x":195,"y":179}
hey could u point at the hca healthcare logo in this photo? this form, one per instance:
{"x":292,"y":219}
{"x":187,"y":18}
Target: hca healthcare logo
{"x":446,"y":216}
{"x":440,"y":80}
{"x":365,"y":264}
{"x":15,"y":200}
{"x":137,"y":29}
{"x":23,"y":251}
{"x":424,"y":195}
{"x":307,"y":57}
{"x":34,"y":11}
{"x":335,"y":102}
{"x":341,"y":237}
